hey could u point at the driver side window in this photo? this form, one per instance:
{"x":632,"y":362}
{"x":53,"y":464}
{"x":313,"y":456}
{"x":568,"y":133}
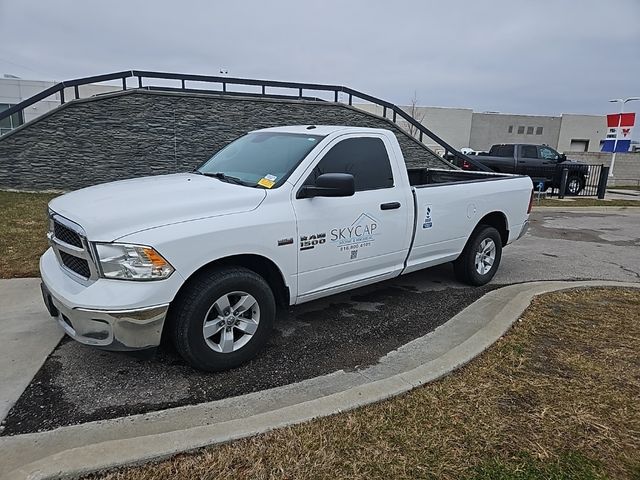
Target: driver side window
{"x":547,"y":153}
{"x":365,"y":158}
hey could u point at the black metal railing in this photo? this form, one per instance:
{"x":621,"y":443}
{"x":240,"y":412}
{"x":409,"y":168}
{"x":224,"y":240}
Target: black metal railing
{"x":390,"y":111}
{"x":570,"y":180}
{"x":563,"y":179}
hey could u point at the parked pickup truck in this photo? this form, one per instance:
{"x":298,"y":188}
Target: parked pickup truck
{"x":542,"y":163}
{"x":280,"y":216}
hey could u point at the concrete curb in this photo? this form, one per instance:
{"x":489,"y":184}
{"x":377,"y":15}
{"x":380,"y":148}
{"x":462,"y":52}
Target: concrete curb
{"x":75,"y":450}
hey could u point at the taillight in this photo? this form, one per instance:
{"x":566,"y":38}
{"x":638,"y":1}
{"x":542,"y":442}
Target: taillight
{"x":530,"y":203}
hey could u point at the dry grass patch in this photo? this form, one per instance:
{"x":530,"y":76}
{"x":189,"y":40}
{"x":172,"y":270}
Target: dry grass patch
{"x":556,"y":398}
{"x":23,"y":229}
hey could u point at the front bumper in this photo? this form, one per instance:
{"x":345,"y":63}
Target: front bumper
{"x":108,"y":314}
{"x":121,"y":330}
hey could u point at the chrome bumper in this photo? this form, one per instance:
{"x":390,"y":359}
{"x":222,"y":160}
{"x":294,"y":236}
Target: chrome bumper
{"x":120,"y":330}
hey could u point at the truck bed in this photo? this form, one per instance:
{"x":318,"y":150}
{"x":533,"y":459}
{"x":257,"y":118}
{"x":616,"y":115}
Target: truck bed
{"x":448,"y":204}
{"x":424,"y":177}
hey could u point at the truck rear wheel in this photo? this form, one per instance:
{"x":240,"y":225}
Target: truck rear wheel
{"x":223,"y":318}
{"x":575,"y":184}
{"x":480,"y":258}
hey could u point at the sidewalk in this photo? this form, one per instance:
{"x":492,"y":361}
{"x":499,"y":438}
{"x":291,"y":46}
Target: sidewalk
{"x":29,"y":335}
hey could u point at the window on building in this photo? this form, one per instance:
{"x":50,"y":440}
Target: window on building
{"x":538,"y":130}
{"x":365,"y":158}
{"x":579,"y":145}
{"x":11,"y":122}
{"x":529,"y":151}
{"x":520,"y":130}
{"x":510,"y":128}
{"x":529,"y":130}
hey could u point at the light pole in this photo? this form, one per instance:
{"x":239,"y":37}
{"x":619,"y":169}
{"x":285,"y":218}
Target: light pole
{"x":622,"y":102}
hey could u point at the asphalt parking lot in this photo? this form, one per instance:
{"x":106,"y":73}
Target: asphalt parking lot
{"x":348,"y":331}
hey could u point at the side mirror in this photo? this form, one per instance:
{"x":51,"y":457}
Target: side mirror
{"x":330,"y":185}
{"x":562,"y":157}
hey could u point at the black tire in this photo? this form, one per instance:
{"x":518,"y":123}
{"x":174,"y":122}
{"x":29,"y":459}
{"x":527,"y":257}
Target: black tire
{"x":189,"y":313}
{"x":465,"y":266}
{"x":575,"y":184}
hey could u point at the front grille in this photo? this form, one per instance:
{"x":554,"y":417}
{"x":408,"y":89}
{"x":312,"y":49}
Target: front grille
{"x":66,"y":235}
{"x":76,"y":264}
{"x":69,"y":242}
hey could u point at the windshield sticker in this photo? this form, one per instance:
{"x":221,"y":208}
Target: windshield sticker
{"x":428,"y":222}
{"x":265,"y":182}
{"x":270,"y":177}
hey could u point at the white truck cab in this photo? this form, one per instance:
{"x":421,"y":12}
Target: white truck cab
{"x":280,"y":216}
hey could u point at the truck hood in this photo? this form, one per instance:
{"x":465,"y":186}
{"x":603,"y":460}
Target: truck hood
{"x":574,"y":165}
{"x":112,"y":210}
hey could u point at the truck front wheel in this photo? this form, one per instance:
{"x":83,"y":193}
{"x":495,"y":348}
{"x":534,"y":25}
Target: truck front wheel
{"x":222,"y":318}
{"x":480,"y":258}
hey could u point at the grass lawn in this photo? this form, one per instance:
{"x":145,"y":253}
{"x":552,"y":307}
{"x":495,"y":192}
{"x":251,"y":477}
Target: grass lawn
{"x":556,"y":398}
{"x":628,"y":187}
{"x":584,"y":202}
{"x":23,"y":229}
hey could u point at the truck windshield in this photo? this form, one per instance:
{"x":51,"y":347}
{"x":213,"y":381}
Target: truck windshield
{"x":260,"y":159}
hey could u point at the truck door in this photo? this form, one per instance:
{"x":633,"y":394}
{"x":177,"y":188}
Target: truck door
{"x":502,"y":158}
{"x":347,"y":241}
{"x":548,"y":159}
{"x":529,"y":163}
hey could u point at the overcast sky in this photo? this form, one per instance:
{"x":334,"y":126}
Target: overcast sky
{"x":539,"y":57}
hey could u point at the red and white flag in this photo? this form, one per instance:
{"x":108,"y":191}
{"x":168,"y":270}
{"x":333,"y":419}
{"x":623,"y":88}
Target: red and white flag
{"x":619,"y":128}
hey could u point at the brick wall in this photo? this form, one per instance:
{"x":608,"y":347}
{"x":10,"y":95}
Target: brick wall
{"x":139,"y":132}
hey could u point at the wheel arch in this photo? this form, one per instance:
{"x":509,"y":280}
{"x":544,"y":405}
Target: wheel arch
{"x":497,"y":220}
{"x":259,"y":264}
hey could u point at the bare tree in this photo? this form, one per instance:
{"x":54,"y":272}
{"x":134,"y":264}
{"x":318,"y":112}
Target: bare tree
{"x":414,"y":111}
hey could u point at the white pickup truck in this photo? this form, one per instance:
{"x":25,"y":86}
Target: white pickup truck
{"x":280,"y":216}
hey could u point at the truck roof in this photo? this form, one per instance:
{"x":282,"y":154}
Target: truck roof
{"x":321,"y":129}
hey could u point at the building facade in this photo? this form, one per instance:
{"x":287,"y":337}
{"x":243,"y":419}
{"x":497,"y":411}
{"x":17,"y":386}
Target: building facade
{"x":462,"y":127}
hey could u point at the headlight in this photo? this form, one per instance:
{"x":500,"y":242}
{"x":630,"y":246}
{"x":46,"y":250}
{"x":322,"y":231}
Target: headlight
{"x":132,"y":262}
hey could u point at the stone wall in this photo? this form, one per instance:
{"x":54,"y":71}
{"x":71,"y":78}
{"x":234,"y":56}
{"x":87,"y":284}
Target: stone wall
{"x":139,"y":132}
{"x":626,"y":170}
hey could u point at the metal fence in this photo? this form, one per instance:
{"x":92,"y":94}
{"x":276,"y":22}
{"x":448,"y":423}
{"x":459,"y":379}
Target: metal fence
{"x":242,"y":86}
{"x":580,"y":180}
{"x":562,"y":179}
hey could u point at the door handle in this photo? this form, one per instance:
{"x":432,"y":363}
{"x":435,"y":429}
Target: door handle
{"x":389,"y":206}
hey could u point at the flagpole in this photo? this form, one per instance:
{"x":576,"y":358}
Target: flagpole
{"x":622,"y":102}
{"x":613,"y":156}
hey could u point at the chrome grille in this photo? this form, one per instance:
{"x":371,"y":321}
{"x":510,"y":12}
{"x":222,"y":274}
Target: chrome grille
{"x":69,"y":243}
